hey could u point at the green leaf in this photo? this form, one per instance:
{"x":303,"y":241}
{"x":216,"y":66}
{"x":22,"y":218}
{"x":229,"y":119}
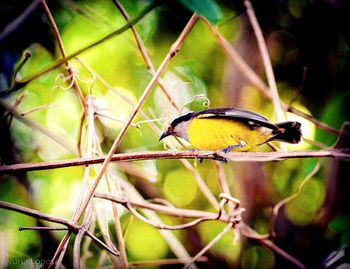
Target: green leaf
{"x":207,"y":8}
{"x":334,"y":114}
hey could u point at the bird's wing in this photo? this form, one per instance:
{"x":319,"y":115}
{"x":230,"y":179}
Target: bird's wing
{"x":248,"y":117}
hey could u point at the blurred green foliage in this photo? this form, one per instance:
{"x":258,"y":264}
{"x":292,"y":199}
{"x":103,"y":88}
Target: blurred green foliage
{"x":199,"y":69}
{"x":144,"y":242}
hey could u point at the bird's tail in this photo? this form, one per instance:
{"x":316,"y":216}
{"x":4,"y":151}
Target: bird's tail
{"x":288,"y":131}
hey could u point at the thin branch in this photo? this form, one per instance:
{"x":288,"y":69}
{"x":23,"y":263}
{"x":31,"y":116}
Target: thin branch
{"x":25,"y":58}
{"x":234,"y":218}
{"x":118,"y":229}
{"x":222,"y":180}
{"x":201,"y":184}
{"x":169,"y":210}
{"x":42,"y":229}
{"x":61,"y":249}
{"x":174,"y":49}
{"x":103,"y":245}
{"x":319,"y":124}
{"x":19,"y":84}
{"x":188,"y":154}
{"x":85,"y":186}
{"x":38,"y":108}
{"x":288,"y":199}
{"x":64,"y":55}
{"x":115,"y":119}
{"x":79,"y":237}
{"x":25,"y":120}
{"x":39,"y":215}
{"x":13,"y":25}
{"x":255,"y":80}
{"x":266,"y":60}
{"x":165,"y":262}
{"x":145,"y":55}
{"x":162,"y":226}
{"x":209,"y":245}
{"x":174,"y":244}
{"x":250,"y":233}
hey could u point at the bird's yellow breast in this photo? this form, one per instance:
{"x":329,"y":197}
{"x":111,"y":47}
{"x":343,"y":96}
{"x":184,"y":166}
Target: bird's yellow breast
{"x":218,"y":134}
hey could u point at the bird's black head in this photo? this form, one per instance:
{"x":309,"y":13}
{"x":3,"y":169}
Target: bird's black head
{"x":179,"y":126}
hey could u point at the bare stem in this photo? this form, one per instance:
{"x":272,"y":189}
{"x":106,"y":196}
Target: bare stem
{"x":286,"y":200}
{"x":34,"y":125}
{"x":19,"y":84}
{"x":201,"y":184}
{"x":208,"y":246}
{"x":250,"y":233}
{"x":64,"y":55}
{"x":39,"y":215}
{"x":266,"y":60}
{"x":255,"y":80}
{"x":169,"y":210}
{"x":174,"y":49}
{"x":13,"y":25}
{"x":145,"y":55}
{"x":188,"y":154}
{"x":165,"y":262}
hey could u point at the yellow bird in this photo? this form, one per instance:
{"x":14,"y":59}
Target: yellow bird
{"x":230,"y":129}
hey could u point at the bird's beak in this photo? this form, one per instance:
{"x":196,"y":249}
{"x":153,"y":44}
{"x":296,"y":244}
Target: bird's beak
{"x":166,"y":133}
